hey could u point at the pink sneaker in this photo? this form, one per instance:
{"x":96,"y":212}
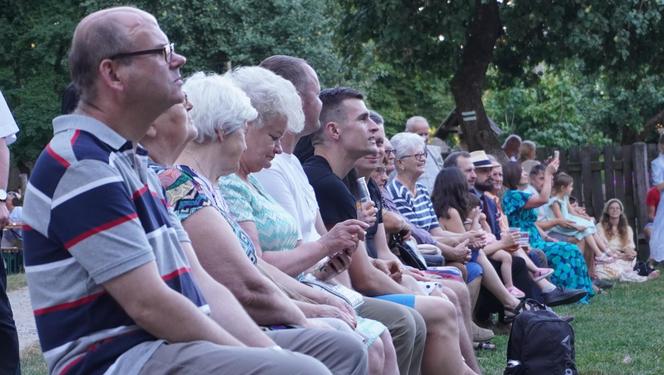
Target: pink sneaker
{"x":542,"y":273}
{"x":516,"y":292}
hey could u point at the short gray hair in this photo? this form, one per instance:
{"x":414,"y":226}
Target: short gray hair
{"x":376,"y":117}
{"x":404,"y":143}
{"x":413,"y":120}
{"x":218,"y":104}
{"x":271,"y":95}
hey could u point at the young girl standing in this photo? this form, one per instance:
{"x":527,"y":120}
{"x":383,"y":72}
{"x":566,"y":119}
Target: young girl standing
{"x":581,"y":228}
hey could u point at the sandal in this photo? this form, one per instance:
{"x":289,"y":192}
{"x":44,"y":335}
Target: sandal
{"x":484,"y":345}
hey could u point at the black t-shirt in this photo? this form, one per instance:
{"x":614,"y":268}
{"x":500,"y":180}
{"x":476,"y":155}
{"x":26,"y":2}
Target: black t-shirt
{"x":335,"y":201}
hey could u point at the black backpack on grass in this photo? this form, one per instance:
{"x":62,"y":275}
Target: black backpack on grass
{"x":540,"y":343}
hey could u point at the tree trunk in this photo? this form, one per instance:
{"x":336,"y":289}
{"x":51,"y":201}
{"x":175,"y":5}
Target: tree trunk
{"x":468,"y":82}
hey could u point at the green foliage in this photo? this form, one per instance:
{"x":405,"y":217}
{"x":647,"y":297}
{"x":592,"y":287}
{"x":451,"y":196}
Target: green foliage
{"x":213,"y":35}
{"x":556,"y":112}
{"x":398,"y":95}
{"x":617,"y":43}
{"x":567,"y":108}
{"x":32,"y":68}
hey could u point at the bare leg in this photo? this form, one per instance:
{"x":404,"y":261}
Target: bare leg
{"x":505,"y":260}
{"x":390,"y":366}
{"x":474,"y":291}
{"x":442,"y":353}
{"x":376,"y":354}
{"x":492,"y":282}
{"x":590,"y":240}
{"x":532,"y":267}
{"x":465,"y":337}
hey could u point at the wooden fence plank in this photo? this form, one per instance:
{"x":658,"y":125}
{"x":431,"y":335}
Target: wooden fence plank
{"x":629,"y":185}
{"x":597,"y":184}
{"x":586,"y":177}
{"x":609,"y":176}
{"x":618,"y":168}
{"x":574,"y":170}
{"x":640,"y":158}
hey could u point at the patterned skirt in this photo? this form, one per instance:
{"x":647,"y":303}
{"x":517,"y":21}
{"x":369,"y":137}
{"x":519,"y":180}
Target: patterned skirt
{"x":570,"y":267}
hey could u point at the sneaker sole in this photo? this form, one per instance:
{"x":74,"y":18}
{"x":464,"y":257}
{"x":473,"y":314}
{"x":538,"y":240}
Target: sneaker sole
{"x":566,"y":301}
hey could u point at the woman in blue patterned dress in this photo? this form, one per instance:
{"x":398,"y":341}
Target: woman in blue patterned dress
{"x":567,"y":260}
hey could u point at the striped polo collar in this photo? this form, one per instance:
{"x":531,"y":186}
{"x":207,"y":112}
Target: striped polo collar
{"x":93,"y":126}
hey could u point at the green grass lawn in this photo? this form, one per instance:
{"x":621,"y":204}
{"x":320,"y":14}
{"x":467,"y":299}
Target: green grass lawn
{"x":16,"y":281}
{"x":32,"y":361}
{"x":620,"y":332}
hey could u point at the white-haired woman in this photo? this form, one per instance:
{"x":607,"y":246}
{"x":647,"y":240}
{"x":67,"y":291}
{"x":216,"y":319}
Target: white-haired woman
{"x":220,"y":116}
{"x":412,"y":199}
{"x":273,"y":231}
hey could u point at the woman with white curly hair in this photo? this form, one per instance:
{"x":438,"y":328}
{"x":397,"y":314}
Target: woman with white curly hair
{"x":220,"y":114}
{"x":275,"y":232}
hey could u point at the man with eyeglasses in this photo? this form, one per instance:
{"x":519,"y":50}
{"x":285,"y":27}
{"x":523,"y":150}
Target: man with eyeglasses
{"x":434,"y":161}
{"x":111,"y":287}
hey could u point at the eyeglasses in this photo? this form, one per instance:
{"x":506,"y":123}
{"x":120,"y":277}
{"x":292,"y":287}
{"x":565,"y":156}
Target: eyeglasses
{"x":389,"y":152}
{"x":167,"y":51}
{"x":418,"y":157}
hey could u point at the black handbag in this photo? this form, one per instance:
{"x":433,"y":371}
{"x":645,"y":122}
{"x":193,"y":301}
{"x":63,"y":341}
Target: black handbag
{"x":406,"y":253}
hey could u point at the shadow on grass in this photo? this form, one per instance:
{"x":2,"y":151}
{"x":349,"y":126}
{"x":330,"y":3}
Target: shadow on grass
{"x":619,"y":332}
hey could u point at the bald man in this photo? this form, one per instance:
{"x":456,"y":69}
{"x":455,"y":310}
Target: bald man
{"x":110,"y":284}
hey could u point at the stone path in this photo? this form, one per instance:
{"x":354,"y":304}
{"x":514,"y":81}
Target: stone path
{"x":25,"y":321}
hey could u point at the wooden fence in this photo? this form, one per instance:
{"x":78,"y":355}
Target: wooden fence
{"x":610,"y":172}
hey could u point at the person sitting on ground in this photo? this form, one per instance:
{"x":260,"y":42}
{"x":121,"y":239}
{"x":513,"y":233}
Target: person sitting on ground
{"x":582,"y":230}
{"x":220,"y":115}
{"x":618,"y":234}
{"x":287,"y":183}
{"x":273,"y":231}
{"x":111,"y":286}
{"x":527,"y":151}
{"x":566,"y":259}
{"x":347,"y":133}
{"x":652,"y":201}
